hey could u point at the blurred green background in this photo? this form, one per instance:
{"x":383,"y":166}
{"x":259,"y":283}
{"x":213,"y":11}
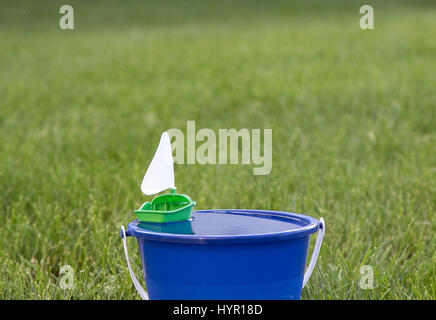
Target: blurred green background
{"x":353,"y":115}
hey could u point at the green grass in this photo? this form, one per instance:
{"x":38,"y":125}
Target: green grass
{"x":353,"y":115}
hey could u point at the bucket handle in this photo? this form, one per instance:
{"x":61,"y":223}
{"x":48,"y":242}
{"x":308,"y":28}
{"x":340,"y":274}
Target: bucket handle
{"x":139,"y":288}
{"x":315,"y":252}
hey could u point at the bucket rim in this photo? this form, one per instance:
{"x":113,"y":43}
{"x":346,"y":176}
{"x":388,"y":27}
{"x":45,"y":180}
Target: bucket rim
{"x":312,"y":225}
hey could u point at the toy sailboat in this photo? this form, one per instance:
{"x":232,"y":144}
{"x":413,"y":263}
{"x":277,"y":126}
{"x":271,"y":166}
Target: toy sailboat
{"x":159,"y":177}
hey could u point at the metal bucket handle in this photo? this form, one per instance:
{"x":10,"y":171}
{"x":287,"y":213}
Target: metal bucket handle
{"x":307,"y":274}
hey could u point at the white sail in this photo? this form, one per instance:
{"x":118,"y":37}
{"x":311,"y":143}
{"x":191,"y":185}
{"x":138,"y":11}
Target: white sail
{"x":160,"y":173}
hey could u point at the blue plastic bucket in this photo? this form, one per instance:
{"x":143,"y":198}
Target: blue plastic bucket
{"x":226,"y":254}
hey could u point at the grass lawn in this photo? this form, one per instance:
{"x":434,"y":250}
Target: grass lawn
{"x":353,"y":115}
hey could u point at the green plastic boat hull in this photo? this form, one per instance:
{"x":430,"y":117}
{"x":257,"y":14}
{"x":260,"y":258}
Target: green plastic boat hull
{"x":166,"y":208}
